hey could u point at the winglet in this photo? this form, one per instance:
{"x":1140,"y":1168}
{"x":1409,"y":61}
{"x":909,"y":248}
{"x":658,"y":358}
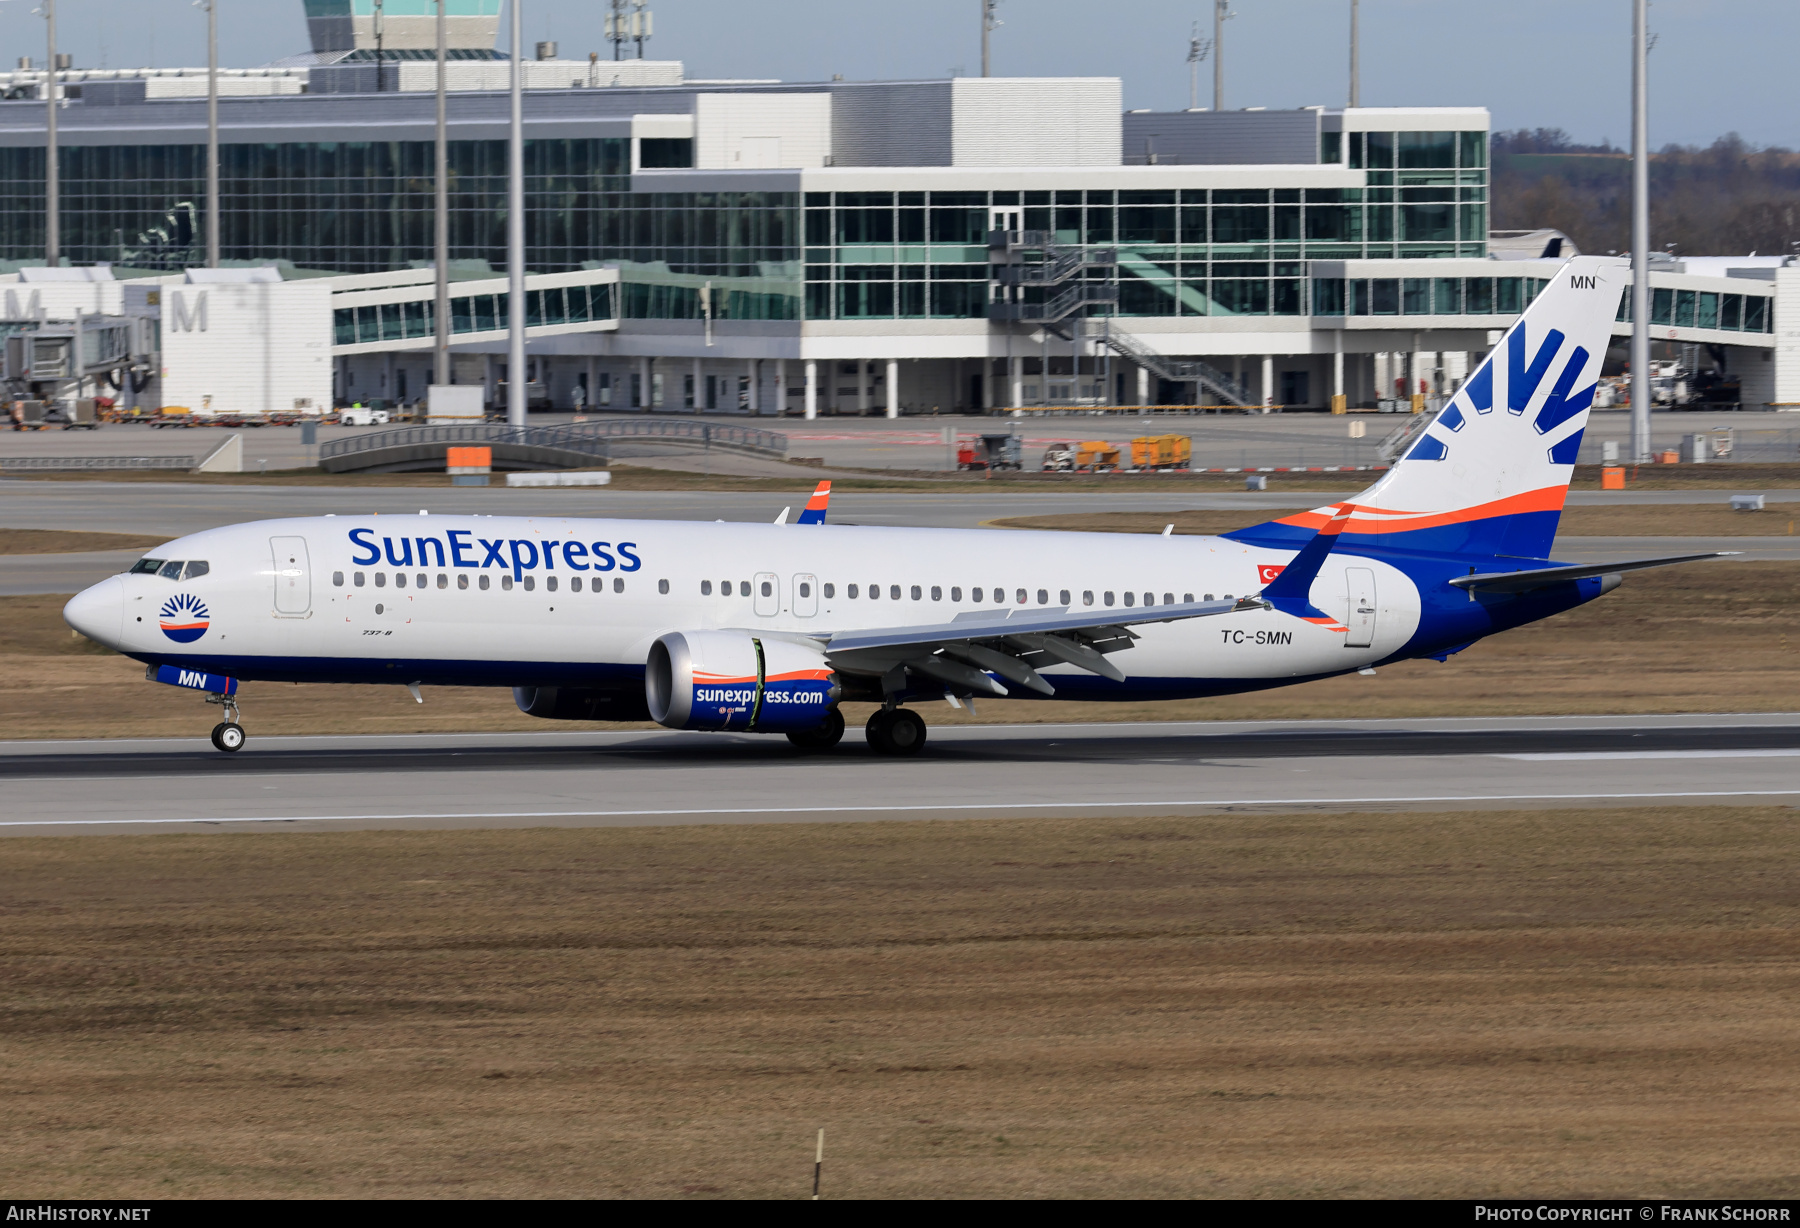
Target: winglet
{"x":814,"y":512}
{"x":1290,"y":590}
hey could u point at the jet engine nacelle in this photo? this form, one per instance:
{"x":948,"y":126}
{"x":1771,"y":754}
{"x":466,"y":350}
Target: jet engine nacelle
{"x":735,"y":680}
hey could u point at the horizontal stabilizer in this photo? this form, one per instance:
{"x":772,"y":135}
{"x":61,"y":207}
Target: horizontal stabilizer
{"x":1543,"y":577}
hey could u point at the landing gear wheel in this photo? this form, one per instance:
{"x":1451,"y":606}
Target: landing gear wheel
{"x":228,"y":736}
{"x":899,"y":732}
{"x":827,"y":735}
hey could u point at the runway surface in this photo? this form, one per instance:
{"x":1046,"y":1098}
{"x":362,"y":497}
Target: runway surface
{"x":586,"y":778}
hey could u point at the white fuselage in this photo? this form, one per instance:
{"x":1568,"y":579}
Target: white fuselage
{"x":546,"y":601}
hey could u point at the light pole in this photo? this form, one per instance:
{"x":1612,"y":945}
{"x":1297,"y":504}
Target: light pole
{"x":440,"y":250}
{"x":52,"y":172}
{"x":516,"y":388}
{"x":1221,"y":14}
{"x":1197,"y":49}
{"x":1640,"y":231}
{"x":990,"y":22}
{"x":212,"y":132}
{"x":1355,"y":58}
{"x":380,"y":33}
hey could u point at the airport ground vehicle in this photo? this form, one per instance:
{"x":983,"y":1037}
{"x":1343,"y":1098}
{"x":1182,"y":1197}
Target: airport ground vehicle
{"x":1161,"y":452}
{"x":767,"y":628}
{"x":1097,"y":456}
{"x":361,"y":415}
{"x":1059,"y":458}
{"x":990,"y":451}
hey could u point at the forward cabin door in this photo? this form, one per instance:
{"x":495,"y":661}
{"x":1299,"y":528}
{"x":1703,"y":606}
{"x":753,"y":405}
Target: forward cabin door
{"x":806,"y":596}
{"x":768,"y":594}
{"x":293,"y":576}
{"x":1361,"y":616}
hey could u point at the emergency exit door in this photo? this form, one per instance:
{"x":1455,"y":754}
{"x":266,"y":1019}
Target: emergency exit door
{"x":1361,"y":616}
{"x":767,"y":599}
{"x":292,"y":574}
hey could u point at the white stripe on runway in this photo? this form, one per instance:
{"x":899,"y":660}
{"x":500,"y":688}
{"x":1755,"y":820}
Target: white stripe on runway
{"x":1559,"y":756}
{"x":1181,"y":803}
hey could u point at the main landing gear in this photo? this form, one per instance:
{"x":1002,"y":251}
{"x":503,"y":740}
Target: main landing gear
{"x":227,"y":735}
{"x":896,"y":731}
{"x":826,"y":736}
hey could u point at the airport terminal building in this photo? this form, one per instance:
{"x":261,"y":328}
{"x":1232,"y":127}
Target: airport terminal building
{"x":817,"y":247}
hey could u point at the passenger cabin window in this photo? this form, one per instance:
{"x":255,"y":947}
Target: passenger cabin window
{"x":1020,"y":600}
{"x":1043,"y":596}
{"x":975,"y":595}
{"x":1087,"y":597}
{"x":706,"y":588}
{"x":874,"y":592}
{"x":662,"y":586}
{"x":955,"y":594}
{"x":894,"y":592}
{"x":1130,"y":598}
{"x":550,"y":584}
{"x":850,"y":591}
{"x":1107,"y":598}
{"x":399,"y":579}
{"x":421,"y":579}
{"x":1209,"y":597}
{"x":357,"y":579}
{"x":483,"y":583}
{"x":145,"y":567}
{"x":195,"y":568}
{"x":443,"y":580}
{"x":506,"y":584}
{"x":1188,"y":597}
{"x":937,"y":594}
{"x":337,"y":579}
{"x":1169,"y":598}
{"x":768,"y":590}
{"x":805,"y":589}
{"x":381,"y":579}
{"x":1063,"y":597}
{"x":530,"y":583}
{"x":918,"y":593}
{"x":830,"y":591}
{"x":574,"y":584}
{"x":619,"y":586}
{"x":462,"y":581}
{"x":743,"y":587}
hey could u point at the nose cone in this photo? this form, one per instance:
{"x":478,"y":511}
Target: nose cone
{"x":99,"y":612}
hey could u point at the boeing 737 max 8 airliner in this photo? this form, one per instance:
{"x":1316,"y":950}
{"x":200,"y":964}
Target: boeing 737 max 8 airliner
{"x":767,"y":628}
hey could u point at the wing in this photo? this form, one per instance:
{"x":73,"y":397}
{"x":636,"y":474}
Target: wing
{"x":1012,"y":643}
{"x":817,"y":506}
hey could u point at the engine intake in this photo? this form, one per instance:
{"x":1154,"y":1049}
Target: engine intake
{"x":733,"y":680}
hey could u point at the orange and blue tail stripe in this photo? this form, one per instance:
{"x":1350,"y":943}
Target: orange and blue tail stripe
{"x":817,"y":505}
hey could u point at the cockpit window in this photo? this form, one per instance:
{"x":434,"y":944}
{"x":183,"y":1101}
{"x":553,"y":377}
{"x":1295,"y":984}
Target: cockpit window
{"x":171,"y":570}
{"x":195,"y":567}
{"x":145,"y":567}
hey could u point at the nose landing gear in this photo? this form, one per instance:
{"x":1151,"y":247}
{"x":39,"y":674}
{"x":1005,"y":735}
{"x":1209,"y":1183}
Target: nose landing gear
{"x":227,"y":735}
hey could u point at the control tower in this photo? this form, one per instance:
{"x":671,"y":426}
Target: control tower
{"x":406,"y":25}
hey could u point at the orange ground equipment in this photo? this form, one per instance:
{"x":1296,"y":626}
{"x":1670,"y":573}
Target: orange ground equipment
{"x":1096,"y":455}
{"x":1161,"y":452}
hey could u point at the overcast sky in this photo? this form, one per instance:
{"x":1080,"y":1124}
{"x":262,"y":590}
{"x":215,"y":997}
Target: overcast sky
{"x":1720,"y":66}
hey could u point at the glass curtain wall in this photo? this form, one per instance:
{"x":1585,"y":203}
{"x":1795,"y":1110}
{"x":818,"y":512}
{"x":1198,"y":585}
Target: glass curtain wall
{"x":364,"y":207}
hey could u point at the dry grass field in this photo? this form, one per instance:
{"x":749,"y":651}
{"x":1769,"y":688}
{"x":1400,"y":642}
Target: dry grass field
{"x":65,"y":541}
{"x":1590,"y":1003}
{"x":1710,"y":637}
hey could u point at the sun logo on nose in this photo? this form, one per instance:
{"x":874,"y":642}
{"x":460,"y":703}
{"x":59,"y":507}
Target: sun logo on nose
{"x":184,"y":618}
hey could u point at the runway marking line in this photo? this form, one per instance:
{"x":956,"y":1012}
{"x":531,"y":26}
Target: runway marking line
{"x":979,"y":806}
